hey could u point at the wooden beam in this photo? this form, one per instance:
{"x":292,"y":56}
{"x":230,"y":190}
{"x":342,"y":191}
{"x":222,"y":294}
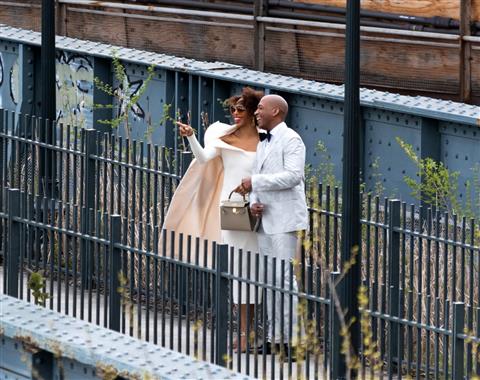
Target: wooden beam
{"x":465,"y":71}
{"x":61,"y":18}
{"x":260,"y":9}
{"x":426,"y":8}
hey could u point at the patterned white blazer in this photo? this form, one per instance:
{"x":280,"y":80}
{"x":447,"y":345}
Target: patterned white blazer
{"x":278,"y":181}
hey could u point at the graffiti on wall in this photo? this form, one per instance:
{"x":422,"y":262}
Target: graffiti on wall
{"x":1,"y":80}
{"x":9,"y":76}
{"x":1,"y":69}
{"x":125,"y":92}
{"x":75,"y":86}
{"x":15,"y":83}
{"x":74,"y":79}
{"x":131,"y":93}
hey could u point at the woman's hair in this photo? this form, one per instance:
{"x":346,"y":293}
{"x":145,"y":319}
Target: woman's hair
{"x":250,"y":98}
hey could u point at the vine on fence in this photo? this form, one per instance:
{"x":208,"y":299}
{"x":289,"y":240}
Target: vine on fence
{"x":126,"y":95}
{"x":36,"y":283}
{"x":438,"y":186}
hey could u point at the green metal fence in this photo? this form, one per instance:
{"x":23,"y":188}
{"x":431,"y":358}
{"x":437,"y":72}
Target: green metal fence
{"x":104,"y":215}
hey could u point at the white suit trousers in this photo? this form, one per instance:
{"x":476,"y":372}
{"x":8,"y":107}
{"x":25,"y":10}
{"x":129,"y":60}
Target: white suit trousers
{"x":282,"y":246}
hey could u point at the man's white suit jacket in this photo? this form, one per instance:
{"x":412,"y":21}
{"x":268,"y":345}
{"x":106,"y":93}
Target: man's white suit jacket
{"x":278,"y":182}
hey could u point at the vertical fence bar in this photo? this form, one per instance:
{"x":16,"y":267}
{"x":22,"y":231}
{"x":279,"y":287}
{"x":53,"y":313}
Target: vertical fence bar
{"x":106,"y":267}
{"x":188,"y":283}
{"x":50,"y":252}
{"x":186,"y":158}
{"x":477,"y":357}
{"x":256,"y":313}
{"x":471,"y":282}
{"x":180,"y":290}
{"x":239,"y":295}
{"x":14,"y":242}
{"x":335,"y":327}
{"x":458,"y":346}
{"x":89,"y":194}
{"x":393,"y":281}
{"x":272,"y":316}
{"x":248,"y":312}
{"x":115,"y":270}
{"x":221,"y":305}
{"x":211,"y":290}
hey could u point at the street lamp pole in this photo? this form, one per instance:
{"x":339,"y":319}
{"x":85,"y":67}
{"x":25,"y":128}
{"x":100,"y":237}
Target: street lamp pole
{"x":351,"y":179}
{"x":48,"y":100}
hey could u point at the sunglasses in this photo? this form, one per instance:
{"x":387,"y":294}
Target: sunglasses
{"x":238,"y":109}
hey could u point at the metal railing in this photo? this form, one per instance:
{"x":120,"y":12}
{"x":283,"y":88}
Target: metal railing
{"x":420,"y":268}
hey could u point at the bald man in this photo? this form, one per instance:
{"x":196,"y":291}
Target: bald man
{"x":277,"y":195}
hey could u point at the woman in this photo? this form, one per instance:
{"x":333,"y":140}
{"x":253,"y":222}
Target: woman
{"x":218,"y":168}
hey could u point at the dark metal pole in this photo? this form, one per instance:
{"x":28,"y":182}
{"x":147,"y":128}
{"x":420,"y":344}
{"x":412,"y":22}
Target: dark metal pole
{"x":48,"y":101}
{"x":351,"y":180}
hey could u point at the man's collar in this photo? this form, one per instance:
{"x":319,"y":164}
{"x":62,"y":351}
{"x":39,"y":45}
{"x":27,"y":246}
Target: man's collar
{"x":277,"y":128}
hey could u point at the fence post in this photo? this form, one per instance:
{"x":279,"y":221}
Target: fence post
{"x":115,"y":297}
{"x":393,"y":280}
{"x":14,"y":241}
{"x":458,"y":349}
{"x":221,"y":305}
{"x":89,"y":186}
{"x":186,"y":158}
{"x":336,"y":360}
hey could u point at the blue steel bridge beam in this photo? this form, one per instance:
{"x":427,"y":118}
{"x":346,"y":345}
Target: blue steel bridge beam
{"x":102,"y":69}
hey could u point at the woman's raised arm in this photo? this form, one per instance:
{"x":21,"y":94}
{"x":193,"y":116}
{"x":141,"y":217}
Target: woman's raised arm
{"x":201,"y":154}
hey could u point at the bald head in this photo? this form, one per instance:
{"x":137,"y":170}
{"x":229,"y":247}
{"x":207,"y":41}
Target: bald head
{"x":276,"y":101}
{"x":271,"y":111}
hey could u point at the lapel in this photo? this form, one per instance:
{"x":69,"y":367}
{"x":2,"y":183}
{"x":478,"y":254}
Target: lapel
{"x":275,"y":143}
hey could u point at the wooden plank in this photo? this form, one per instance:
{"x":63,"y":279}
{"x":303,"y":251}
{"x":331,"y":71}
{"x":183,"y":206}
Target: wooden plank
{"x":206,"y":43}
{"x":426,"y":8}
{"x":384,"y":64}
{"x":475,"y":65}
{"x":476,"y":10}
{"x":25,"y":18}
{"x":465,"y":51}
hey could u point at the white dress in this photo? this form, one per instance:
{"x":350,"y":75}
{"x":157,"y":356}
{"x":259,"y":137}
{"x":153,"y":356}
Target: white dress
{"x":237,"y":164}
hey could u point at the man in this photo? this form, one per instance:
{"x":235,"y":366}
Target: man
{"x":277,"y":195}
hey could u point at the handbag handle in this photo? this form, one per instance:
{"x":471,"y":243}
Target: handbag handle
{"x":233,"y":192}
